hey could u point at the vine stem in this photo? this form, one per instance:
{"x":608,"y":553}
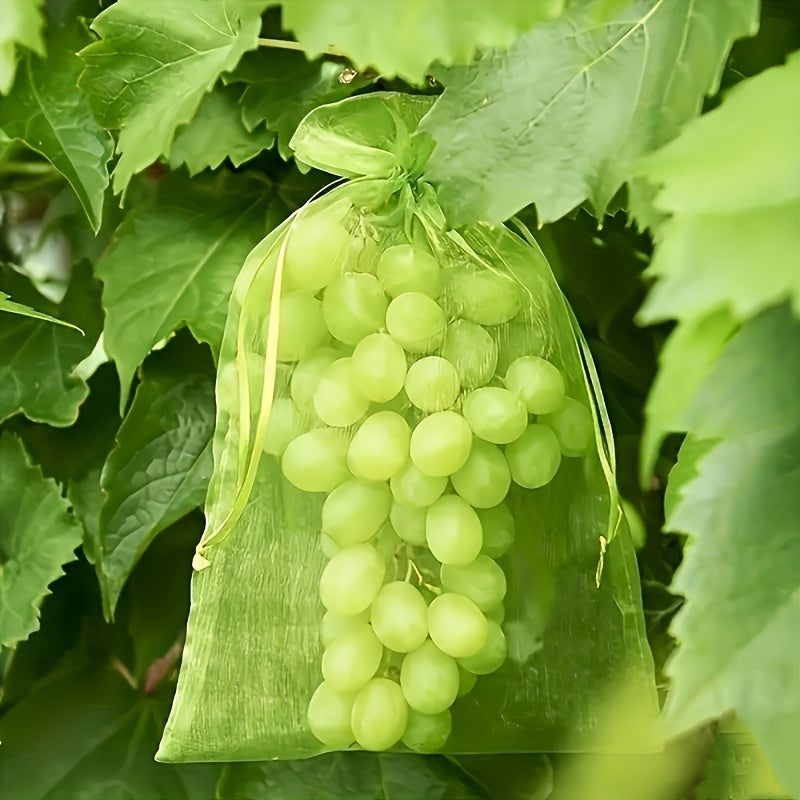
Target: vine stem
{"x":288,"y":44}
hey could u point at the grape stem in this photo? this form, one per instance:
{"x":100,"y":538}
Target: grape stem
{"x":288,"y":44}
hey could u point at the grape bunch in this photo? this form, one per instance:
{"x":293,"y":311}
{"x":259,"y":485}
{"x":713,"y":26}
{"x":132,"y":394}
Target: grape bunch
{"x":396,"y":412}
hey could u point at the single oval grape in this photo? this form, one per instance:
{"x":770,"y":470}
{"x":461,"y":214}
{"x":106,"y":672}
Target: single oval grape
{"x":482,"y":581}
{"x":405,"y":268}
{"x":409,"y":523}
{"x":307,"y":375}
{"x":484,"y":479}
{"x":499,"y":530}
{"x":338,"y":400}
{"x":316,"y":461}
{"x":473,"y":352}
{"x":285,"y":423}
{"x":453,"y":530}
{"x":414,"y":488}
{"x":380,"y":714}
{"x":355,"y":511}
{"x":354,"y":306}
{"x":456,"y":625}
{"x":491,"y":656}
{"x":537,"y":382}
{"x":466,"y":681}
{"x":352,"y":659}
{"x":379,"y":447}
{"x":432,"y":384}
{"x":327,"y":545}
{"x":429,"y":679}
{"x":329,"y":714}
{"x":416,"y":322}
{"x":573,"y":427}
{"x":482,"y":296}
{"x":301,"y":327}
{"x":315,"y":247}
{"x":399,"y":617}
{"x":535,"y":457}
{"x":334,"y":625}
{"x":379,"y":365}
{"x":351,"y":579}
{"x":427,"y":733}
{"x":496,"y":415}
{"x":440,"y":443}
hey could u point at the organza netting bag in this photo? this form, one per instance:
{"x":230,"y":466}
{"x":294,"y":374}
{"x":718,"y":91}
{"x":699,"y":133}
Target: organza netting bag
{"x":413,"y":537}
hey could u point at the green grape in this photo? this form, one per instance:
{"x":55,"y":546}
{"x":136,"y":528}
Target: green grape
{"x":354,"y":306}
{"x":429,"y":679}
{"x":427,"y":733}
{"x":355,"y":511}
{"x":466,"y":681}
{"x":338,"y":400}
{"x":457,"y":626}
{"x":411,"y":487}
{"x":379,"y":447}
{"x":440,"y":444}
{"x":351,"y":659}
{"x":301,"y":327}
{"x":333,"y":625}
{"x":453,"y":530}
{"x":498,"y":530}
{"x":315,"y":248}
{"x":416,"y":322}
{"x":473,"y":352}
{"x":495,"y":414}
{"x":316,"y":461}
{"x":573,"y":427}
{"x":380,"y":715}
{"x":399,"y":617}
{"x":328,"y":546}
{"x":482,"y":296}
{"x":405,"y":268}
{"x":329,"y":714}
{"x":523,"y":336}
{"x":379,"y":364}
{"x":491,"y":656}
{"x":538,"y":383}
{"x":285,"y":423}
{"x":482,"y":581}
{"x":351,"y":579}
{"x":409,"y":523}
{"x":535,"y":457}
{"x":484,"y":479}
{"x":307,"y":375}
{"x":496,"y":613}
{"x":432,"y":384}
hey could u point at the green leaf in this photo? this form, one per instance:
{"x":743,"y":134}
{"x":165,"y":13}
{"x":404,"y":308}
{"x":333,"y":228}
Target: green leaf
{"x":48,"y":113}
{"x":733,"y":236}
{"x":158,"y":471}
{"x":403,"y":39}
{"x":739,"y":503}
{"x":20,"y":25}
{"x":217,"y":132}
{"x":37,"y":536}
{"x":173,"y":261}
{"x":10,"y":307}
{"x":37,"y":361}
{"x":283,"y":86}
{"x":566,"y":112}
{"x":154,"y":62}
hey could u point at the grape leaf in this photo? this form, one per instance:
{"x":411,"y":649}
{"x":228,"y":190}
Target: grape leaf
{"x":563,"y":115}
{"x":47,"y":112}
{"x":217,"y":132}
{"x":10,"y":307}
{"x":157,"y":472}
{"x":738,"y":501}
{"x":20,"y":25}
{"x":283,"y":86}
{"x":380,"y":35}
{"x":37,"y":536}
{"x":173,"y":261}
{"x":733,"y":236}
{"x":37,"y":360}
{"x":154,"y":62}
